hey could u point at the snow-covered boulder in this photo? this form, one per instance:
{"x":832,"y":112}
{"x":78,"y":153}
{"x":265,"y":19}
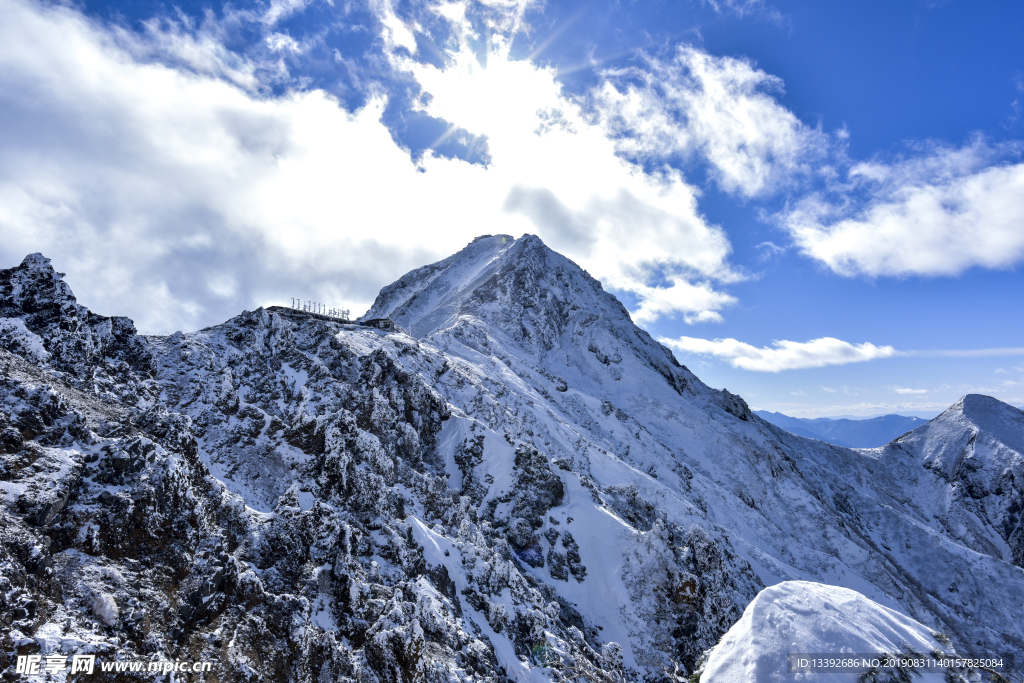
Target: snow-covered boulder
{"x":811,"y":618}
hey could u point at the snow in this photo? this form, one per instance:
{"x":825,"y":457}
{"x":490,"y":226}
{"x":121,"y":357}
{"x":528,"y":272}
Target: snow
{"x":321,"y":613}
{"x":296,"y":378}
{"x":104,"y":607}
{"x":10,"y":491}
{"x":440,"y":551}
{"x":602,"y":538}
{"x":15,"y":336}
{"x":453,"y":433}
{"x":435,"y":290}
{"x":811,"y":618}
{"x":51,"y":638}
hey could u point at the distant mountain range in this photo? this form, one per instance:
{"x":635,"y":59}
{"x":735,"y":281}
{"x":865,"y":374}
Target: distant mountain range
{"x":868,"y":433}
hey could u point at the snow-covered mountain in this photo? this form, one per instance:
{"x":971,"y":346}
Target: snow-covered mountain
{"x":524,"y":486}
{"x":869,"y":432}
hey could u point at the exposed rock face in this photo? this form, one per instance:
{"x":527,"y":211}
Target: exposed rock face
{"x":527,"y":487}
{"x":45,"y":322}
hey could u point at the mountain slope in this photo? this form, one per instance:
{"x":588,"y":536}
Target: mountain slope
{"x":793,"y":508}
{"x":976,"y":450}
{"x":286,"y":486}
{"x":529,"y":486}
{"x":867,"y":433}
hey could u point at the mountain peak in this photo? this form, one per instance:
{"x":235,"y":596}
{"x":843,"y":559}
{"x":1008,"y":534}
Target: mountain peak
{"x":1001,"y":420}
{"x":51,"y":317}
{"x":975,"y":443}
{"x":518,"y":298}
{"x":519,"y":285}
{"x":981,"y":405}
{"x":36,"y":261}
{"x":33,"y":288}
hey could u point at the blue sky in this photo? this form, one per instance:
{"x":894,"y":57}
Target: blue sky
{"x":819,"y":206}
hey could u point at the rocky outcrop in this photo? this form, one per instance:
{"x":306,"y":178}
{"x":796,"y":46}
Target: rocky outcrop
{"x":45,"y":323}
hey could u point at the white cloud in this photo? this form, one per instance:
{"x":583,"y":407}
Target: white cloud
{"x":697,"y":302}
{"x":783,"y":355}
{"x":154,"y":186}
{"x":769,"y":250}
{"x":939,"y":213}
{"x":396,"y":33}
{"x":198,"y":49}
{"x":746,"y":7}
{"x":716,"y":107}
{"x":173,"y":194}
{"x":905,"y":390}
{"x":281,"y":9}
{"x":828,"y":390}
{"x":279,"y":42}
